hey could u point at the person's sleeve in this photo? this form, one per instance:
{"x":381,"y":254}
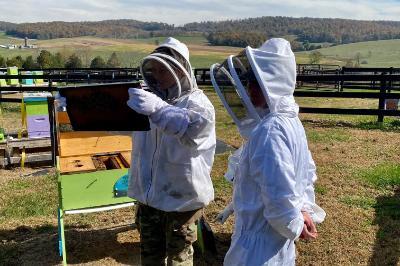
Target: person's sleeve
{"x":316,"y":212}
{"x":191,"y":125}
{"x":273,"y":166}
{"x":233,"y":163}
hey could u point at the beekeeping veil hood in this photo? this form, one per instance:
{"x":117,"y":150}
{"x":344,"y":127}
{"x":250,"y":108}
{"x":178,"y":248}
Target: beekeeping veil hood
{"x":167,"y":71}
{"x":257,"y":82}
{"x":274,"y":67}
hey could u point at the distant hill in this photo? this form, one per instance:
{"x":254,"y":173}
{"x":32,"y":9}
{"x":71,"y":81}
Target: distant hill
{"x":5,"y":26}
{"x":306,"y":32}
{"x":122,"y":29}
{"x":313,"y":30}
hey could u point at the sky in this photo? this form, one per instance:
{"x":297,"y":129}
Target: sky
{"x":179,"y":12}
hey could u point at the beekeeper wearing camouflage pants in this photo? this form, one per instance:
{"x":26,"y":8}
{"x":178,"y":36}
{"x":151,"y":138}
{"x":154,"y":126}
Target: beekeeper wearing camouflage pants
{"x":171,"y":163}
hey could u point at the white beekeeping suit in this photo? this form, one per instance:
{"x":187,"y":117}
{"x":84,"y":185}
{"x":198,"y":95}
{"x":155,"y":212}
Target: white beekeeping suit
{"x":239,"y":107}
{"x":274,"y":180}
{"x":171,"y":163}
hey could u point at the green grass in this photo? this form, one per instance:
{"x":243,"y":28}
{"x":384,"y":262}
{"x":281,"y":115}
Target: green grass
{"x":205,"y":61}
{"x":329,"y":136}
{"x":388,"y":207}
{"x":382,"y":176}
{"x":359,"y":201}
{"x":10,"y":107}
{"x":219,"y":182}
{"x":364,"y":122}
{"x":319,"y":189}
{"x":390,"y":124}
{"x":3,"y":35}
{"x":384,"y":53}
{"x":338,"y":102}
{"x":24,"y":198}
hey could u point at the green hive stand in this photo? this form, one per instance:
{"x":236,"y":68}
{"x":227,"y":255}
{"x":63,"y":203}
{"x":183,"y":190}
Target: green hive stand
{"x":86,"y":193}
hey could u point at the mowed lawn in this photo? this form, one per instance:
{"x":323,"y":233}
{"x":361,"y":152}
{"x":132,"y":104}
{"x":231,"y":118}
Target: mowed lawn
{"x":358,"y":186}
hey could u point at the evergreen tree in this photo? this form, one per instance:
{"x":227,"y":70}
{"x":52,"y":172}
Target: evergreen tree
{"x":45,"y":59}
{"x":73,"y":62}
{"x":113,"y":61}
{"x":2,"y":61}
{"x":29,"y":63}
{"x":58,"y":60}
{"x":15,"y":61}
{"x":98,"y":62}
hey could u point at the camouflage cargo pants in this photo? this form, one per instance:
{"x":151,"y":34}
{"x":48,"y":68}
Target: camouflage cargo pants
{"x":167,"y":236}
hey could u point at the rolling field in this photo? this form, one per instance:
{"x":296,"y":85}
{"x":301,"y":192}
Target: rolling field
{"x":385,"y":53}
{"x":130,"y":52}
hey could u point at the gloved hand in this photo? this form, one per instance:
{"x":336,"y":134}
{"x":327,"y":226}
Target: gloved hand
{"x":222,"y":216}
{"x":144,"y":102}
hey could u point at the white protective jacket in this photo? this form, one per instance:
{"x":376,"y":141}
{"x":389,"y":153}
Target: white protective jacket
{"x":171,"y":163}
{"x":274,"y":181}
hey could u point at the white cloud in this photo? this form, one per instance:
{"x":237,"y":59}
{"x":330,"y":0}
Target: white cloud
{"x":183,"y":11}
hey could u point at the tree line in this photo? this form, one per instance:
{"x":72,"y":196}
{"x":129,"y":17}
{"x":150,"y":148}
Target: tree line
{"x":123,"y":28}
{"x":305,"y":32}
{"x":58,"y":60}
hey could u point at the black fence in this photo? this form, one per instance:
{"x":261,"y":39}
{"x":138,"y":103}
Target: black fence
{"x":368,"y":83}
{"x":372,"y":84}
{"x":77,"y":75}
{"x":375,"y":83}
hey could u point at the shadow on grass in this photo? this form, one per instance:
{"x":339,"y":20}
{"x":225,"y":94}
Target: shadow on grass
{"x":387,"y":240}
{"x":39,"y":246}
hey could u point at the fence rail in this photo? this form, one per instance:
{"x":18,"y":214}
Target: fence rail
{"x":370,"y":83}
{"x":383,"y":84}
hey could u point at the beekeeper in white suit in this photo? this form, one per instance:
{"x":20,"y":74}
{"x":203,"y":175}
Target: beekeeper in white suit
{"x":171,"y":163}
{"x":273,"y":199}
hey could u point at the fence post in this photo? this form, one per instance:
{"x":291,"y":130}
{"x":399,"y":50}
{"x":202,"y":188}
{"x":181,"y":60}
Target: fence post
{"x":341,"y":82}
{"x":53,"y":130}
{"x":381,"y":105}
{"x":390,"y":82}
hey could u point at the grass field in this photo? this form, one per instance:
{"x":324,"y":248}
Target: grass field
{"x":358,"y":186}
{"x":130,"y":52}
{"x":384,"y":53}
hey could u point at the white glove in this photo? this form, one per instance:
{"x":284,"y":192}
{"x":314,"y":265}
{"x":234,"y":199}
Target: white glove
{"x":60,"y":102}
{"x":222,"y":216}
{"x":144,"y":102}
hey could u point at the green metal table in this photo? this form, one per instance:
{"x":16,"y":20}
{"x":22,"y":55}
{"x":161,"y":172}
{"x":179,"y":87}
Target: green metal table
{"x":86,"y":193}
